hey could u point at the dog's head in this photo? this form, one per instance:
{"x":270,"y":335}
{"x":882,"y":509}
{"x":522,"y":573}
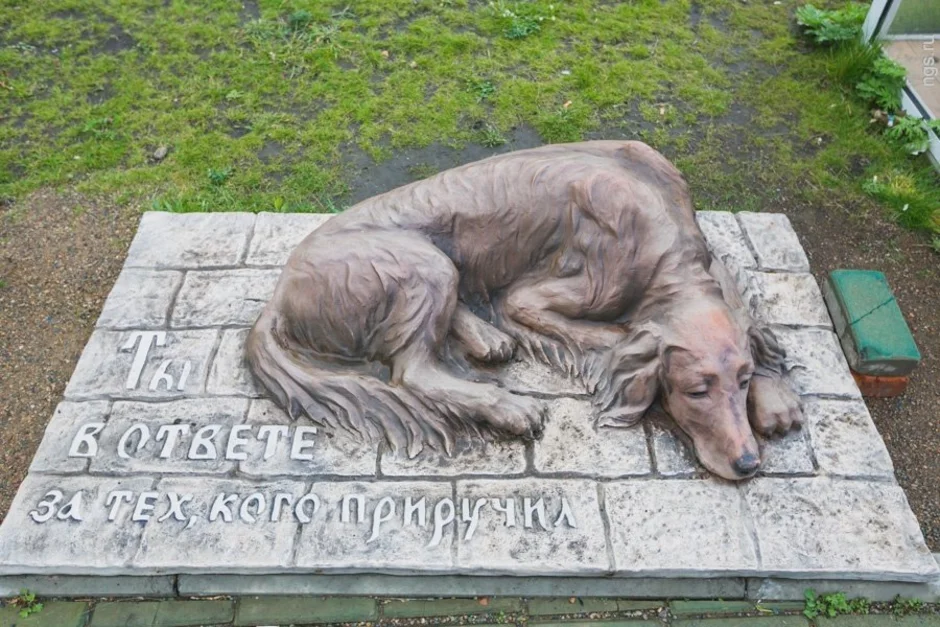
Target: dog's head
{"x":699,"y":361}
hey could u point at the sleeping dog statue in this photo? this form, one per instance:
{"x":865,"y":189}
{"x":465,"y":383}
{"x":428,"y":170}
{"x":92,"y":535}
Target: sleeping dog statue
{"x":585,"y":256}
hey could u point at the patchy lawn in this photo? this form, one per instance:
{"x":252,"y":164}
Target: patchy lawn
{"x":268,"y":106}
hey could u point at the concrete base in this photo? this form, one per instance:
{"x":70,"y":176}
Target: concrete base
{"x":166,"y":465}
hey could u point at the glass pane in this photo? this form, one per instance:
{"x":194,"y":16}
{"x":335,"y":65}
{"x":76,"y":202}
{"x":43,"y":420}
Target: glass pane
{"x":916,"y":17}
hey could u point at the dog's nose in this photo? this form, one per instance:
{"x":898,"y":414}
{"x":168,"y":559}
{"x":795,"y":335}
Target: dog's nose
{"x":747,"y":464}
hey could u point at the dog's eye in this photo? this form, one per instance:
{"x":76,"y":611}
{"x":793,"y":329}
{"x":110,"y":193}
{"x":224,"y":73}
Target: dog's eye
{"x":698,"y":394}
{"x":745,"y":383}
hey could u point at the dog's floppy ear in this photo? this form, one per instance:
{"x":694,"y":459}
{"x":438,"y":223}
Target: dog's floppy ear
{"x":769,"y":356}
{"x":631,"y":381}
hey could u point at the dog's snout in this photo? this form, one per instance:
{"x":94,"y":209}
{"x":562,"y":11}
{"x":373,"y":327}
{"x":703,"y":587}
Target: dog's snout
{"x":747,"y":464}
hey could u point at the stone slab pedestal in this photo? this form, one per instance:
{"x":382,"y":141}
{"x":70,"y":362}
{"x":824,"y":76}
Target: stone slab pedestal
{"x":164,"y":465}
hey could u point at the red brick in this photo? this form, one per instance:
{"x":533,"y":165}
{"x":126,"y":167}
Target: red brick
{"x":880,"y":387}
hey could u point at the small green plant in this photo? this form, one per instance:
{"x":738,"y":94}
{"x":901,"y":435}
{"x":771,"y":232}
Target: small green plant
{"x":832,"y":27}
{"x":482,"y":89}
{"x":520,"y":21}
{"x":167,"y":203}
{"x":882,"y":84}
{"x":832,"y":604}
{"x":299,"y":20}
{"x":27,"y":603}
{"x":913,"y":133}
{"x":935,"y":245}
{"x":492,"y":137}
{"x":100,"y":128}
{"x":902,"y":606}
{"x":219,"y":177}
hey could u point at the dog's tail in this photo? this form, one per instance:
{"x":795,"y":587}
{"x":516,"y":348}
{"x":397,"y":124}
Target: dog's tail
{"x":343,"y":400}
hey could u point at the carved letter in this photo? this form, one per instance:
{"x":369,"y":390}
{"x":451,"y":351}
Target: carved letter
{"x":202,"y":446}
{"x":172,"y":434}
{"x":566,"y":515}
{"x":509,"y":509}
{"x":72,"y":509}
{"x":298,"y":444}
{"x":411,"y":508}
{"x":299,"y":509}
{"x":117,"y":497}
{"x":161,"y":375}
{"x":176,"y":507}
{"x":280,"y":499}
{"x":378,"y":517}
{"x":187,"y":368}
{"x":538,"y":508}
{"x":360,"y":508}
{"x":472,"y":517}
{"x":220,"y":506}
{"x":270,"y":434}
{"x":144,"y":507}
{"x":47,"y":506}
{"x":243,"y":512}
{"x":144,"y":438}
{"x":84,"y":443}
{"x":441,"y":521}
{"x":147,"y":339}
{"x":234,"y":441}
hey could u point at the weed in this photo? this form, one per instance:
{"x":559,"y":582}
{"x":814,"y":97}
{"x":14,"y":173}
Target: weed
{"x":832,"y":604}
{"x":902,"y":606}
{"x":299,"y":20}
{"x":492,"y":137}
{"x":882,"y":84}
{"x":27,"y":603}
{"x":482,"y":89}
{"x":421,"y":170}
{"x":520,"y":21}
{"x":935,"y":245}
{"x":832,"y":27}
{"x":912,"y":133}
{"x":100,"y":128}
{"x":3,"y":282}
{"x":220,"y":176}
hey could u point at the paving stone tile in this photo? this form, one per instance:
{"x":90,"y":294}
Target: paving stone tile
{"x":725,"y":238}
{"x":200,"y":613}
{"x":229,"y":374}
{"x":288,"y":610}
{"x":59,"y":544}
{"x":845,"y":439}
{"x":276,"y":235}
{"x":774,"y":241}
{"x":53,"y":454}
{"x":821,"y":527}
{"x":623,"y":622}
{"x":786,"y":455}
{"x":330,"y":454}
{"x":163,"y":437}
{"x":588,"y":605}
{"x":471,"y":457}
{"x":52,"y":614}
{"x":223,"y":518}
{"x":772,"y":588}
{"x":189,"y":240}
{"x":124,"y":614}
{"x":673,"y":457}
{"x":662,"y":528}
{"x":528,"y":377}
{"x":882,"y":620}
{"x":381,"y":535}
{"x":785,"y":298}
{"x":571,"y":443}
{"x":140,"y":299}
{"x":818,"y":365}
{"x":143,"y":364}
{"x":417,"y":608}
{"x":753,"y":621}
{"x":568,"y":539}
{"x":707,"y":606}
{"x":223,"y":297}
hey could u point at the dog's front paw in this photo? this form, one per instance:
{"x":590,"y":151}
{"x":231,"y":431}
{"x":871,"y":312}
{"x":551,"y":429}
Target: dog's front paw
{"x":773,"y":407}
{"x":523,"y":416}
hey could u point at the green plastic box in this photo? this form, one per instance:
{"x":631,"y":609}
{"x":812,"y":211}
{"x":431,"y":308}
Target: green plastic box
{"x":869,"y":323}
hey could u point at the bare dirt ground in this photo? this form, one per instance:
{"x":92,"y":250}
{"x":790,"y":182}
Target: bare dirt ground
{"x":60,"y":255}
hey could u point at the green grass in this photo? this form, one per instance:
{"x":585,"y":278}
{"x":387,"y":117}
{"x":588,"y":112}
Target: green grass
{"x":261,"y":108}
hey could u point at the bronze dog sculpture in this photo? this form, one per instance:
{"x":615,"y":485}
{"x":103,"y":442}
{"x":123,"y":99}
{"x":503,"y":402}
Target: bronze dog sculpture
{"x":586,"y":256}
